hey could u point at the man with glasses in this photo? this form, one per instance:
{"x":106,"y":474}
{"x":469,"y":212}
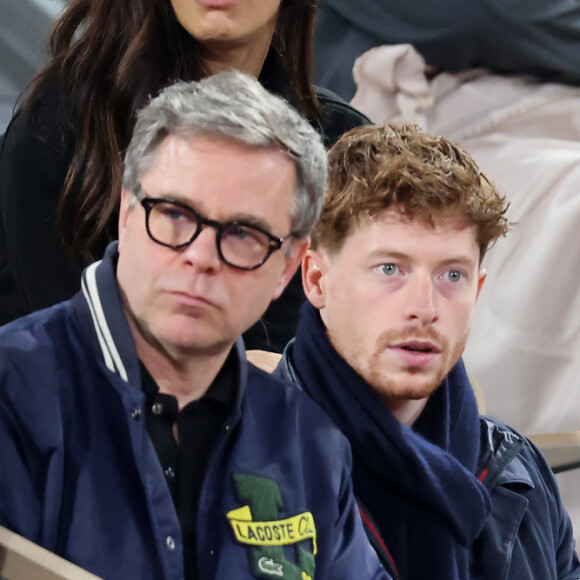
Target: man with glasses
{"x":136,"y":440}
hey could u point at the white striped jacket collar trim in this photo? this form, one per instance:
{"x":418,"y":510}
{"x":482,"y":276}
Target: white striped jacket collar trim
{"x":111,"y":355}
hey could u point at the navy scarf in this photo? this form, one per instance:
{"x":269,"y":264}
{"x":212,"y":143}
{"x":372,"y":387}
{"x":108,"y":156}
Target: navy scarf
{"x":420,"y":485}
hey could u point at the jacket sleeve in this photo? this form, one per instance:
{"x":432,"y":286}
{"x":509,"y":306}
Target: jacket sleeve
{"x":37,"y":271}
{"x":30,"y":456}
{"x":566,"y":556}
{"x":566,"y":559}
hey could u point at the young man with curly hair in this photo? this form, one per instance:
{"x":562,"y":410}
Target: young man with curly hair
{"x":392,"y":278}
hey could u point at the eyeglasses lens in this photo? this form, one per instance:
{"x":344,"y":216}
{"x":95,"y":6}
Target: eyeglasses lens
{"x":241,"y":246}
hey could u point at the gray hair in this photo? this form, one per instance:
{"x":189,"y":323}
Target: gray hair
{"x":235,"y":106}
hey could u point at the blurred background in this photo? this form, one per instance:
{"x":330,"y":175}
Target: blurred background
{"x":24,"y":29}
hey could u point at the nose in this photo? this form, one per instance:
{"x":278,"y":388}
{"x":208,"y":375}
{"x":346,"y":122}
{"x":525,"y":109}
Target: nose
{"x":421,"y":300}
{"x":202,"y":252}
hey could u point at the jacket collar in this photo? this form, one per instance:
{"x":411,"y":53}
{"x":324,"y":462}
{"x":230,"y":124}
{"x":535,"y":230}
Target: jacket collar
{"x":499,"y":456}
{"x":100,"y":309}
{"x":103,"y":300}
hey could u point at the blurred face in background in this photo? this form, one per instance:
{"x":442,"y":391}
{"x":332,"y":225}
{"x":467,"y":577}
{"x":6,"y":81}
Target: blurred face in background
{"x":222,"y":25}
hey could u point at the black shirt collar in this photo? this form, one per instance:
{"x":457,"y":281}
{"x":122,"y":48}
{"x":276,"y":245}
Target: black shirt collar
{"x":222,"y":390}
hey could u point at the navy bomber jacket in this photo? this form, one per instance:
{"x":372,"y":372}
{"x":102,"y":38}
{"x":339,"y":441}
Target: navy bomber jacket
{"x":79,"y":474}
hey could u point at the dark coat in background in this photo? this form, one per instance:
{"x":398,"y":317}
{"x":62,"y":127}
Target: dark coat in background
{"x":540,"y":37}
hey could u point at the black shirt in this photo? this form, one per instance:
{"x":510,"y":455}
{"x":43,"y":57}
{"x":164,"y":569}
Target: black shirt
{"x":185,"y":463}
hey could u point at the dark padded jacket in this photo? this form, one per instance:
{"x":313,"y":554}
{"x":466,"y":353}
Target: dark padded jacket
{"x":528,"y":534}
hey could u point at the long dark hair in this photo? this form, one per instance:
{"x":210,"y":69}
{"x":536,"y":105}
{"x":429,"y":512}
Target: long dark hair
{"x":108,"y":58}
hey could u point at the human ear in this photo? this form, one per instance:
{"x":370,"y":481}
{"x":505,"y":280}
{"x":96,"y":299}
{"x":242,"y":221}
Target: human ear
{"x":299,"y":248}
{"x":314,"y":267}
{"x":482,"y":277}
{"x":124,"y":210}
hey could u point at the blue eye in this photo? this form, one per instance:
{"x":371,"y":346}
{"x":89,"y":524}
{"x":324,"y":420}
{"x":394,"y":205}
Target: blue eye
{"x":389,"y":269}
{"x":454,"y":275}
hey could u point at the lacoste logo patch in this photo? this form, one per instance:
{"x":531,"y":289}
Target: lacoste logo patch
{"x":268,"y":566}
{"x":257,"y":525}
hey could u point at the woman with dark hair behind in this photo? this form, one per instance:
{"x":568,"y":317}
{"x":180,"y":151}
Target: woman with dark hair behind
{"x":61,"y":160}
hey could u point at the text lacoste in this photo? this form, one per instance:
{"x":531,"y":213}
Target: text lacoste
{"x":272,"y":533}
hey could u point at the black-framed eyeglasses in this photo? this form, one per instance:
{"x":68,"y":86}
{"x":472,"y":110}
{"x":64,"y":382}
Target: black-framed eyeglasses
{"x":240,"y":245}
